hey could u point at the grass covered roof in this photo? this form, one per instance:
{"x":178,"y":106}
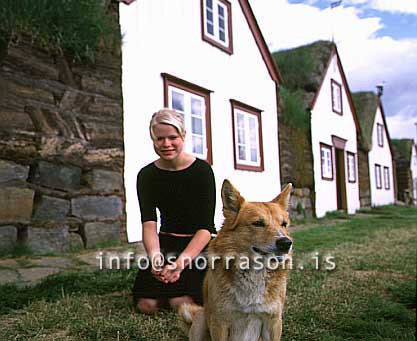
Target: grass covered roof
{"x":78,"y":28}
{"x":302,"y":70}
{"x":366,"y":104}
{"x":402,"y":149}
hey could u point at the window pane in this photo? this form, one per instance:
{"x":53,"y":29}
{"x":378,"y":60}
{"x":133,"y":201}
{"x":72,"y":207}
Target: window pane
{"x":240,"y":121}
{"x":177,"y":101}
{"x":196,"y":107}
{"x":197,"y":126}
{"x":242,"y":153}
{"x":197,"y":145}
{"x":253,"y":132}
{"x":222,"y":36}
{"x":254,"y":154}
{"x":209,"y":3}
{"x":329,"y":163}
{"x":221,"y":11}
{"x":210,"y":29}
{"x":221,"y":24}
{"x":209,"y":16}
{"x":241,"y":136}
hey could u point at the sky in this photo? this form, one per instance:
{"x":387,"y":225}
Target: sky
{"x":376,"y":40}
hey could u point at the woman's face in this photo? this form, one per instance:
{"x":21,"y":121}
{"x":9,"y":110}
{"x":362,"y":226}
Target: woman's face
{"x":168,"y":143}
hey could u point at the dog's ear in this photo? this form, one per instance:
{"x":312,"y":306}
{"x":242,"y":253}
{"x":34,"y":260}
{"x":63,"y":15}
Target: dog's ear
{"x":232,"y":200}
{"x":283,"y":198}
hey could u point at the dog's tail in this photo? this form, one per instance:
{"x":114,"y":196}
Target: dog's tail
{"x":188,"y":313}
{"x":193,"y":322}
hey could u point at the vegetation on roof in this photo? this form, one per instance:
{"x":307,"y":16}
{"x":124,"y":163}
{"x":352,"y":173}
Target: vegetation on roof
{"x":294,"y":113}
{"x":366,"y":104}
{"x":304,"y":67}
{"x":402,"y":149}
{"x":76,"y":28}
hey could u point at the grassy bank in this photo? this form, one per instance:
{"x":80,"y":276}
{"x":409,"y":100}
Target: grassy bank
{"x":353,"y":280}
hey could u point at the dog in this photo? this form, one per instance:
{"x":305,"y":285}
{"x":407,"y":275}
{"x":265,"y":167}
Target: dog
{"x":245,"y":285}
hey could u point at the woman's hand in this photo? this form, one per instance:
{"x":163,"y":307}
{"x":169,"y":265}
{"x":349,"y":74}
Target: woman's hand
{"x":171,"y":273}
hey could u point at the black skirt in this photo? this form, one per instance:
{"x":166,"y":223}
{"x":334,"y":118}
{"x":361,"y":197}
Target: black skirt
{"x":190,"y":282}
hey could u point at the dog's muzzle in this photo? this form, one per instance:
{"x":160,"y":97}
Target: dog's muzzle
{"x":283,"y":244}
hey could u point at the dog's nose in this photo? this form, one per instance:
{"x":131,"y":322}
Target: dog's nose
{"x":283,"y":244}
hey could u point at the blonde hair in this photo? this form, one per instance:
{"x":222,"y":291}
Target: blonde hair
{"x":170,"y":117}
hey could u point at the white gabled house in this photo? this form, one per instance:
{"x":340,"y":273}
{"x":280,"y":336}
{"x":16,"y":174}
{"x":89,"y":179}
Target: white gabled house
{"x":413,"y":167}
{"x":376,"y":143}
{"x":208,"y":60}
{"x":314,"y":76}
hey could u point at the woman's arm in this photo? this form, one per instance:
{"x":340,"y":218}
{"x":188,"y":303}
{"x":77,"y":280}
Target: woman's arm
{"x":150,"y":238}
{"x":151,"y":244}
{"x":171,"y":272}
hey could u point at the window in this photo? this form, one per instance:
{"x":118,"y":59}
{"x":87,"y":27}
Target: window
{"x":380,"y":134}
{"x":326,"y":162}
{"x":247,"y":137}
{"x":378,"y":177}
{"x":217,"y":24}
{"x":386,"y":178}
{"x":351,"y":167}
{"x":336,"y":97}
{"x":193,"y":102}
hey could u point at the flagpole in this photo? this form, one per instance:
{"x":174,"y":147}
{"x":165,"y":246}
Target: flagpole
{"x":334,"y":4}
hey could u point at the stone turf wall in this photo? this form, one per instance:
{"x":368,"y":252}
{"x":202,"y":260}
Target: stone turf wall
{"x":61,"y":152}
{"x":364,"y":180}
{"x":296,"y":162}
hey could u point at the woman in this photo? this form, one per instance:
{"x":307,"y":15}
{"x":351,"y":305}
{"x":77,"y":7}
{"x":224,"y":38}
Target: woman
{"x":182,"y":187}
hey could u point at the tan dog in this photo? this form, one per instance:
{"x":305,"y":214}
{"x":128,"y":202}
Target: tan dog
{"x":245,"y":284}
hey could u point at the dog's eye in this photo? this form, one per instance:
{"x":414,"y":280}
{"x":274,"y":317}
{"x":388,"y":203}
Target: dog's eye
{"x":259,"y":223}
{"x":284,"y":223}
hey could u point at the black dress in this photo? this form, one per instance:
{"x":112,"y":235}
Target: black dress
{"x":186,"y":201}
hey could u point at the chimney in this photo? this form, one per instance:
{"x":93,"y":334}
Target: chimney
{"x":380,"y":89}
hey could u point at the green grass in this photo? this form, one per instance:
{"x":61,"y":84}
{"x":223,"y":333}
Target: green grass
{"x":77,"y":28}
{"x":370,"y":294}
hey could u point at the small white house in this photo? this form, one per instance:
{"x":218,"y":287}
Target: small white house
{"x":208,"y":60}
{"x":377,"y":143}
{"x":314,"y":74}
{"x":413,"y":166}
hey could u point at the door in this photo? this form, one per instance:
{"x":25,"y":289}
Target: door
{"x":340,"y":180}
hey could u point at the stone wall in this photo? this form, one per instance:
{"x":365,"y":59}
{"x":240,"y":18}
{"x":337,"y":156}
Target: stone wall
{"x":301,"y":204}
{"x":364,"y":180}
{"x":404,"y":181}
{"x":296,"y":162}
{"x":61,"y":151}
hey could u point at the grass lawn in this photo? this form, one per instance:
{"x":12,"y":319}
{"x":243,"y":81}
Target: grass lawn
{"x":354,"y":280}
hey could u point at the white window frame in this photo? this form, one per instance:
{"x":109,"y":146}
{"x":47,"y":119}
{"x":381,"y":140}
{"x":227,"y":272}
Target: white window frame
{"x":380,"y":134}
{"x":188,"y":116}
{"x":247,"y":143}
{"x":326,"y":162}
{"x":351,"y":166}
{"x":254,"y":141}
{"x":215,"y":37}
{"x":387,"y":182}
{"x":378,"y":176}
{"x":336,"y":97}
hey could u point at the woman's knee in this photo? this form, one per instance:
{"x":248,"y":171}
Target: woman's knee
{"x":147,"y":306}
